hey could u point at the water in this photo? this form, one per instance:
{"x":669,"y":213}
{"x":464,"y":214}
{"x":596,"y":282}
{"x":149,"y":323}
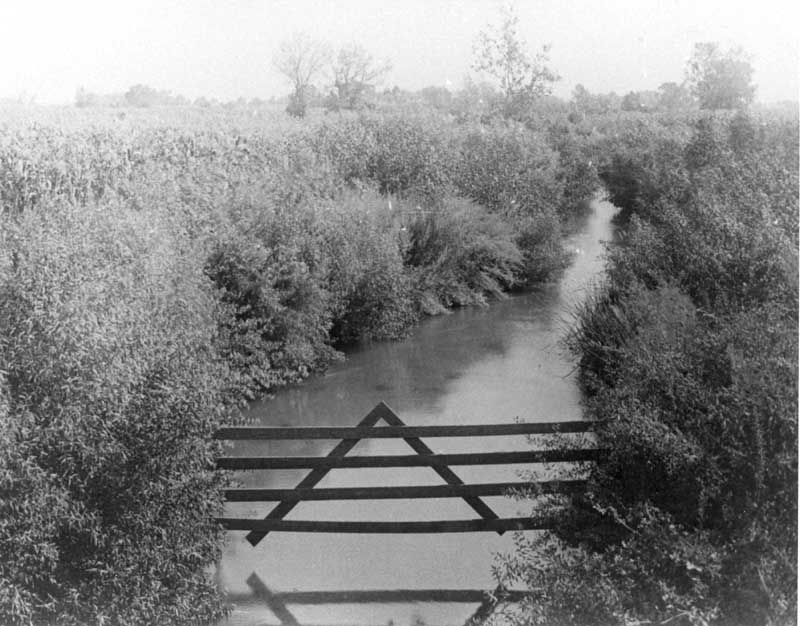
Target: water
{"x":477,"y":365}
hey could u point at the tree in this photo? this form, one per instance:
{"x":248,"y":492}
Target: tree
{"x":141,"y":96}
{"x":586,"y":102}
{"x":355,"y":73}
{"x":523,"y":78}
{"x":146,"y":96}
{"x":674,"y":97}
{"x":300,"y":59}
{"x":643,"y":101}
{"x":437,"y":97}
{"x":475,"y":100}
{"x":720,"y":80}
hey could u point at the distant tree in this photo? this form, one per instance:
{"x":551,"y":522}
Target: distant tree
{"x":141,"y":96}
{"x":585,"y":102}
{"x":502,"y":53}
{"x":355,"y":73}
{"x":85,"y":98}
{"x":674,"y":97}
{"x":720,"y":80}
{"x":144,"y":96}
{"x":301,"y":59}
{"x":581,"y":98}
{"x":437,"y":97}
{"x":642,"y":101}
{"x":476,"y":100}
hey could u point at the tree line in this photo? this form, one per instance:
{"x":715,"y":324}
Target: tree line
{"x":348,"y":79}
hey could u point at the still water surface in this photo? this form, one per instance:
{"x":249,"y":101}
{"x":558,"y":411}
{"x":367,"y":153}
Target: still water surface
{"x":477,"y":365}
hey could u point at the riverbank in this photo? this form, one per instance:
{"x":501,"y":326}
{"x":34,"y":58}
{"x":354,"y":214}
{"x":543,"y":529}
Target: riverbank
{"x":153,"y":278}
{"x":689,"y":359}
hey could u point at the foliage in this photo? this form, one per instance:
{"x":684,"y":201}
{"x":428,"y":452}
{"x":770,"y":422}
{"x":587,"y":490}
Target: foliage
{"x":674,"y":98}
{"x":156,"y":268}
{"x":355,"y":73}
{"x":112,"y":388}
{"x":689,"y":358}
{"x":622,"y":585}
{"x":145,"y":96}
{"x":503,"y":167}
{"x":588,"y":103}
{"x":411,"y":158}
{"x":460,"y":253}
{"x":501,"y":52}
{"x":372,"y":292}
{"x":300,"y":59}
{"x":720,"y":80}
{"x":642,"y":161}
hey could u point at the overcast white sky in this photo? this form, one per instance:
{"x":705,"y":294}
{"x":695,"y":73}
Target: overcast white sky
{"x":223,"y":48}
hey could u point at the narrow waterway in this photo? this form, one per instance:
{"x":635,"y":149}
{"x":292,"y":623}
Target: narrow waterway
{"x":477,"y":365}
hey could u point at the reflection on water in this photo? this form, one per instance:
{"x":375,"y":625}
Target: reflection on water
{"x":477,"y":365}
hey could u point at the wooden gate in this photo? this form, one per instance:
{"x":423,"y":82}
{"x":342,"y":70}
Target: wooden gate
{"x":423,"y":456}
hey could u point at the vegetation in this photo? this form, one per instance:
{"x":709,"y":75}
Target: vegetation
{"x":160,"y":266}
{"x":111,"y":387}
{"x":720,"y":80}
{"x":300,"y":59}
{"x":689,"y":358}
{"x":154,"y":275}
{"x":523,"y":78}
{"x":355,"y":73}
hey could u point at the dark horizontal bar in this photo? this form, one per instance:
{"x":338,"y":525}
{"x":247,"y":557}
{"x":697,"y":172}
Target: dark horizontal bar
{"x":410,"y":460}
{"x":444,"y":526}
{"x":385,"y":432}
{"x":387,"y":596}
{"x":384,"y":493}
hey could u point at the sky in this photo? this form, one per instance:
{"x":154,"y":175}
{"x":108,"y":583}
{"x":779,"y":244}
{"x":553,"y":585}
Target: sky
{"x":223,"y":49}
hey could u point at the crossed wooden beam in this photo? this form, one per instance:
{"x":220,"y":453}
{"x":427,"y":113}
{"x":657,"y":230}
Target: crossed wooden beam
{"x":454,"y":487}
{"x":424,"y":456}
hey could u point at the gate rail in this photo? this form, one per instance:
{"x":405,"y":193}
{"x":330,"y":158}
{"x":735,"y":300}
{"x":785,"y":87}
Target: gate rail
{"x":424,"y":457}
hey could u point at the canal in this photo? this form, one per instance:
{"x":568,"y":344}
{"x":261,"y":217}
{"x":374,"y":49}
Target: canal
{"x":477,"y":365}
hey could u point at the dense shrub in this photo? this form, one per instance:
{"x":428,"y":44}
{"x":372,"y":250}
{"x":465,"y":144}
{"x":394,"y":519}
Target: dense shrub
{"x":156,"y":269}
{"x":412,"y":157}
{"x":505,"y":165}
{"x":689,"y":357}
{"x":460,"y":253}
{"x":515,"y":173}
{"x":371,"y":289}
{"x":269,"y":270}
{"x":641,"y":161}
{"x":112,"y":387}
{"x":577,"y":169}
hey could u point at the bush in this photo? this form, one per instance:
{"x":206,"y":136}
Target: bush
{"x":156,"y":269}
{"x":112,"y":389}
{"x":412,"y":157}
{"x":460,"y":253}
{"x":660,"y":573}
{"x":642,"y":160}
{"x":504,"y":167}
{"x":689,"y":356}
{"x":270,"y":273}
{"x":371,"y":292}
